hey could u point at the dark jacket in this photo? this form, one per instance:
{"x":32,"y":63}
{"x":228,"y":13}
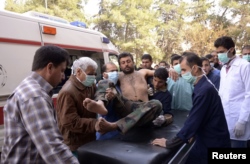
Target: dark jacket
{"x":76,"y":123}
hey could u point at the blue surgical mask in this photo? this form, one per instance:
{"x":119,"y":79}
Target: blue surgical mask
{"x":113,"y":76}
{"x":223,"y":57}
{"x":246,"y":57}
{"x":177,"y":68}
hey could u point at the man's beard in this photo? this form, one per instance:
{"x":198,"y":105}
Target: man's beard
{"x":131,"y":70}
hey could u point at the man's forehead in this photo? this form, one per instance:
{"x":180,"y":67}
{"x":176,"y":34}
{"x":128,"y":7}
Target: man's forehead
{"x":205,"y":62}
{"x":176,"y":61}
{"x":184,"y":63}
{"x":213,"y":53}
{"x":146,"y":60}
{"x":111,"y":66}
{"x":221,"y":49}
{"x":244,"y":51}
{"x":158,"y":79}
{"x":126,"y":58}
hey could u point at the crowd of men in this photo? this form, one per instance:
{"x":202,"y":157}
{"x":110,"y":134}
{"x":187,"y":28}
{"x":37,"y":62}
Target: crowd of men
{"x":215,"y":89}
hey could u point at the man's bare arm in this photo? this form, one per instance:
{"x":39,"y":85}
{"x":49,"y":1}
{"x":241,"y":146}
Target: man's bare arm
{"x":147,"y":72}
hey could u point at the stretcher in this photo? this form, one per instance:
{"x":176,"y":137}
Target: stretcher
{"x":135,"y":146}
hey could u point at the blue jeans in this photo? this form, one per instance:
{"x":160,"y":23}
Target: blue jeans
{"x":238,"y":144}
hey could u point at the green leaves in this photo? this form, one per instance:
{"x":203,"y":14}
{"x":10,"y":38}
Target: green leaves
{"x":158,"y":27}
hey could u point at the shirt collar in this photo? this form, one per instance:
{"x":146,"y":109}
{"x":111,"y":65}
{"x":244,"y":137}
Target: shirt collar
{"x":43,"y":83}
{"x":231,"y":61}
{"x":77,"y":83}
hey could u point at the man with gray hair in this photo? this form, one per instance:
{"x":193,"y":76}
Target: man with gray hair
{"x":78,"y":125}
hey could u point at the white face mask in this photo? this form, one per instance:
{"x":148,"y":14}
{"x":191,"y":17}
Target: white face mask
{"x":113,"y":76}
{"x":212,"y":65}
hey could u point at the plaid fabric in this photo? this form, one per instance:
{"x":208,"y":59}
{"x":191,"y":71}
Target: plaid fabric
{"x":31,"y":131}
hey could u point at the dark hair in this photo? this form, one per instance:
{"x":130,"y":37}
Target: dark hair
{"x":204,"y":59}
{"x":104,"y":67}
{"x":209,"y":56}
{"x":49,"y":54}
{"x":226,"y":42}
{"x":161,"y":73}
{"x":164,"y":62}
{"x":175,"y":57}
{"x":147,"y":56}
{"x":192,"y":59}
{"x":246,"y":47}
{"x":125,"y":54}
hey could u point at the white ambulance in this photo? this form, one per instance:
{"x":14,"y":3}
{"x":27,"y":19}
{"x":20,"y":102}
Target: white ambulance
{"x":22,"y":34}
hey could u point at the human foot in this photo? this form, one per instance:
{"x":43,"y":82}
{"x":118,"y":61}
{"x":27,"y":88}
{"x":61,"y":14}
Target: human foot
{"x":106,"y":126}
{"x":95,"y":106}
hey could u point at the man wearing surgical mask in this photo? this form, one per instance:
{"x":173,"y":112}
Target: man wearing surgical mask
{"x":234,"y":91}
{"x":246,"y":53}
{"x":206,"y":121}
{"x":180,"y":90}
{"x":110,"y":72}
{"x":123,"y":114}
{"x":76,"y":123}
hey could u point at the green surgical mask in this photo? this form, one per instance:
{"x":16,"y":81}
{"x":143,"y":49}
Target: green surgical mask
{"x":177,"y":68}
{"x":90,"y":80}
{"x":223,"y":57}
{"x":246,"y":57}
{"x":189,"y":77}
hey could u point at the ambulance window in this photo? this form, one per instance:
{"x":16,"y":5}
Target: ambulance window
{"x":114,"y":59}
{"x":76,"y":54}
{"x":67,"y":73}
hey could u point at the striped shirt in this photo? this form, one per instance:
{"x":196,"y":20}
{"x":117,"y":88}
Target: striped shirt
{"x":31,"y":131}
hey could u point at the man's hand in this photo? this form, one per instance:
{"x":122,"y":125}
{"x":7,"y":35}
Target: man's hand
{"x":97,"y":124}
{"x":86,"y":102}
{"x":110,"y":93}
{"x":164,"y":120}
{"x":159,"y":142}
{"x":150,"y":91}
{"x":239,"y":129}
{"x":173,"y":74}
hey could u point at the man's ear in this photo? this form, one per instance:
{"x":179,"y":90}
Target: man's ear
{"x":104,"y":74}
{"x":232,"y":50}
{"x":196,"y":68}
{"x":49,"y":67}
{"x":78,"y":71}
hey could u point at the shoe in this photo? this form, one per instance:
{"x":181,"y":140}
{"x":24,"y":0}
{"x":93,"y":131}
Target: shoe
{"x":168,"y":118}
